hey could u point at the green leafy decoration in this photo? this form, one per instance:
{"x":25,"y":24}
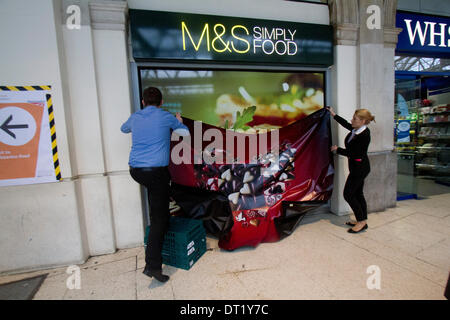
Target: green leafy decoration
{"x":246,"y":117}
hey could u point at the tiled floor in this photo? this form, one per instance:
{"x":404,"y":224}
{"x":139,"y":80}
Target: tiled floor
{"x":408,"y":244}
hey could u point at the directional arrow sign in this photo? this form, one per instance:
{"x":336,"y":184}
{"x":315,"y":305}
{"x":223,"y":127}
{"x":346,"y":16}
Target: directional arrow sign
{"x":17,"y":126}
{"x":7,"y":127}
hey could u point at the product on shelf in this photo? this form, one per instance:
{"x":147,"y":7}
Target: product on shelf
{"x":426,"y":147}
{"x":430,"y":137}
{"x":424,"y":131}
{"x":434,"y":131}
{"x":425,"y":110}
{"x":430,"y":161}
{"x":442,"y":131}
{"x":441,"y":118}
{"x":441,"y":108}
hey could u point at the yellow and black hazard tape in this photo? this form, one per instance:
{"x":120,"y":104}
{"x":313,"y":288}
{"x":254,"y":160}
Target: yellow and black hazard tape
{"x":51,"y":119}
{"x":24,"y":88}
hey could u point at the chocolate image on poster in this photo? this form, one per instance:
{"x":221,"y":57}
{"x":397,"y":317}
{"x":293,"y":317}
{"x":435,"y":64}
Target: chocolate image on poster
{"x":243,"y":203}
{"x":280,"y":155}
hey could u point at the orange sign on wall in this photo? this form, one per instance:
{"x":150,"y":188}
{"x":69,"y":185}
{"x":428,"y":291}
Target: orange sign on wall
{"x":28,"y":149}
{"x":20,"y":127}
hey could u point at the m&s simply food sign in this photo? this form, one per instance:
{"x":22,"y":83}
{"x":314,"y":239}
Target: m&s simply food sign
{"x":165,"y":35}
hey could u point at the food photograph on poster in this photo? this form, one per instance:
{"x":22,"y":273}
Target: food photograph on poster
{"x":257,"y":158}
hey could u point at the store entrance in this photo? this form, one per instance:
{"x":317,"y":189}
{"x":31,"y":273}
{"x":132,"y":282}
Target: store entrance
{"x":422,"y":135}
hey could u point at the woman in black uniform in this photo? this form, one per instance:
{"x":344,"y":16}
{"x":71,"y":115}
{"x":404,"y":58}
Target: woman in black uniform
{"x":356,"y":145}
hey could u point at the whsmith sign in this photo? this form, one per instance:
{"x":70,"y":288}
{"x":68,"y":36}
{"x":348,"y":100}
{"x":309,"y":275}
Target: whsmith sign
{"x":423,"y":35}
{"x":160,"y":35}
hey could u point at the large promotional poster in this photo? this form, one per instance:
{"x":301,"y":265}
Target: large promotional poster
{"x":216,"y":96}
{"x":257,"y":158}
{"x":242,"y":199}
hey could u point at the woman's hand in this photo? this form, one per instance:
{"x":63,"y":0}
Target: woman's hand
{"x":331,"y":110}
{"x":178,"y":116}
{"x":334,"y":148}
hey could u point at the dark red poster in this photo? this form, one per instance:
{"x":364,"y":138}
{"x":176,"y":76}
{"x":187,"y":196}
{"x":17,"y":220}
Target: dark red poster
{"x":290,"y":164}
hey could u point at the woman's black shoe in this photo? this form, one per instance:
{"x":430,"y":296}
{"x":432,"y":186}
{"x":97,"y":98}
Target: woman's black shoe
{"x":362,"y":229}
{"x":155,"y":273}
{"x":351,"y":224}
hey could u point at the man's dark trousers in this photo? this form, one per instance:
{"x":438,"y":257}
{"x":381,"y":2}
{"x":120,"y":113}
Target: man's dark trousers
{"x":156,"y":180}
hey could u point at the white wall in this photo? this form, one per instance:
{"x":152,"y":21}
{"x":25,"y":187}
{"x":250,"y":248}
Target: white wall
{"x":261,"y":9}
{"x":29,"y":56}
{"x":39,"y":224}
{"x":97,"y":207}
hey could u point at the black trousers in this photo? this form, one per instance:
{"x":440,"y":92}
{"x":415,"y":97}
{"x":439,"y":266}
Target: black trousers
{"x":156,"y":180}
{"x":353,"y":194}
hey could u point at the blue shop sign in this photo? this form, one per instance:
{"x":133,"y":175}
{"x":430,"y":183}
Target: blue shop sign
{"x":423,"y":34}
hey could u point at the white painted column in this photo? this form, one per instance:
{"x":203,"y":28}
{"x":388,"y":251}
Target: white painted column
{"x":344,"y":92}
{"x":91,"y":183}
{"x":344,"y":103}
{"x":364,"y":78}
{"x":376,"y":89}
{"x":108,"y":20}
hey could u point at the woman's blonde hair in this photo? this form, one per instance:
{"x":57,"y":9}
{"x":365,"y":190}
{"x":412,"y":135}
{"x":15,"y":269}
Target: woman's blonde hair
{"x":365,"y":115}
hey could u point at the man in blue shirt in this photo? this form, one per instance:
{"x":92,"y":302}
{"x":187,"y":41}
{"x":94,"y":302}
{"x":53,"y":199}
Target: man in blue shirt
{"x":149,"y":159}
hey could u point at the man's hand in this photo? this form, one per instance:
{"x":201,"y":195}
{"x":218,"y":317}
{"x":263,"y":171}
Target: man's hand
{"x":334,"y":148}
{"x":331,"y":110}
{"x":178,"y":116}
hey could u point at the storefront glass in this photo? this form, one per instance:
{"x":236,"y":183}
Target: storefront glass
{"x":422,"y":96}
{"x":422,"y":135}
{"x":407,"y":93}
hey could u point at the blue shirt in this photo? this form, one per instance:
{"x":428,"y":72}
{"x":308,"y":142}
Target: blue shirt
{"x":151,"y":130}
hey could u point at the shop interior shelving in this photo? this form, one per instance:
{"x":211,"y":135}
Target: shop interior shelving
{"x":433,"y":143}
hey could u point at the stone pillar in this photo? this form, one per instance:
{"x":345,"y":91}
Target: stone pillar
{"x":86,"y":139}
{"x":109,"y":29}
{"x":100,"y":100}
{"x":364,"y":76}
{"x":344,"y":17}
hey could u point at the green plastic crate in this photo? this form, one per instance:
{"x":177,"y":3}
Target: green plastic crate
{"x":187,"y":259}
{"x":184,"y":242}
{"x":185,"y":248}
{"x":180,"y":233}
{"x":180,"y":242}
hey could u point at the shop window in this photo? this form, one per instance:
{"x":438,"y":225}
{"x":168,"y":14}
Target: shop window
{"x":422,"y":129}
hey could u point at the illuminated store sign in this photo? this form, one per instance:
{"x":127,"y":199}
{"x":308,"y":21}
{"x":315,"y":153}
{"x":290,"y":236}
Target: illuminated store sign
{"x":165,"y":35}
{"x":423,"y":34}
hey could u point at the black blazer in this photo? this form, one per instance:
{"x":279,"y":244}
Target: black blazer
{"x":356,"y":149}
